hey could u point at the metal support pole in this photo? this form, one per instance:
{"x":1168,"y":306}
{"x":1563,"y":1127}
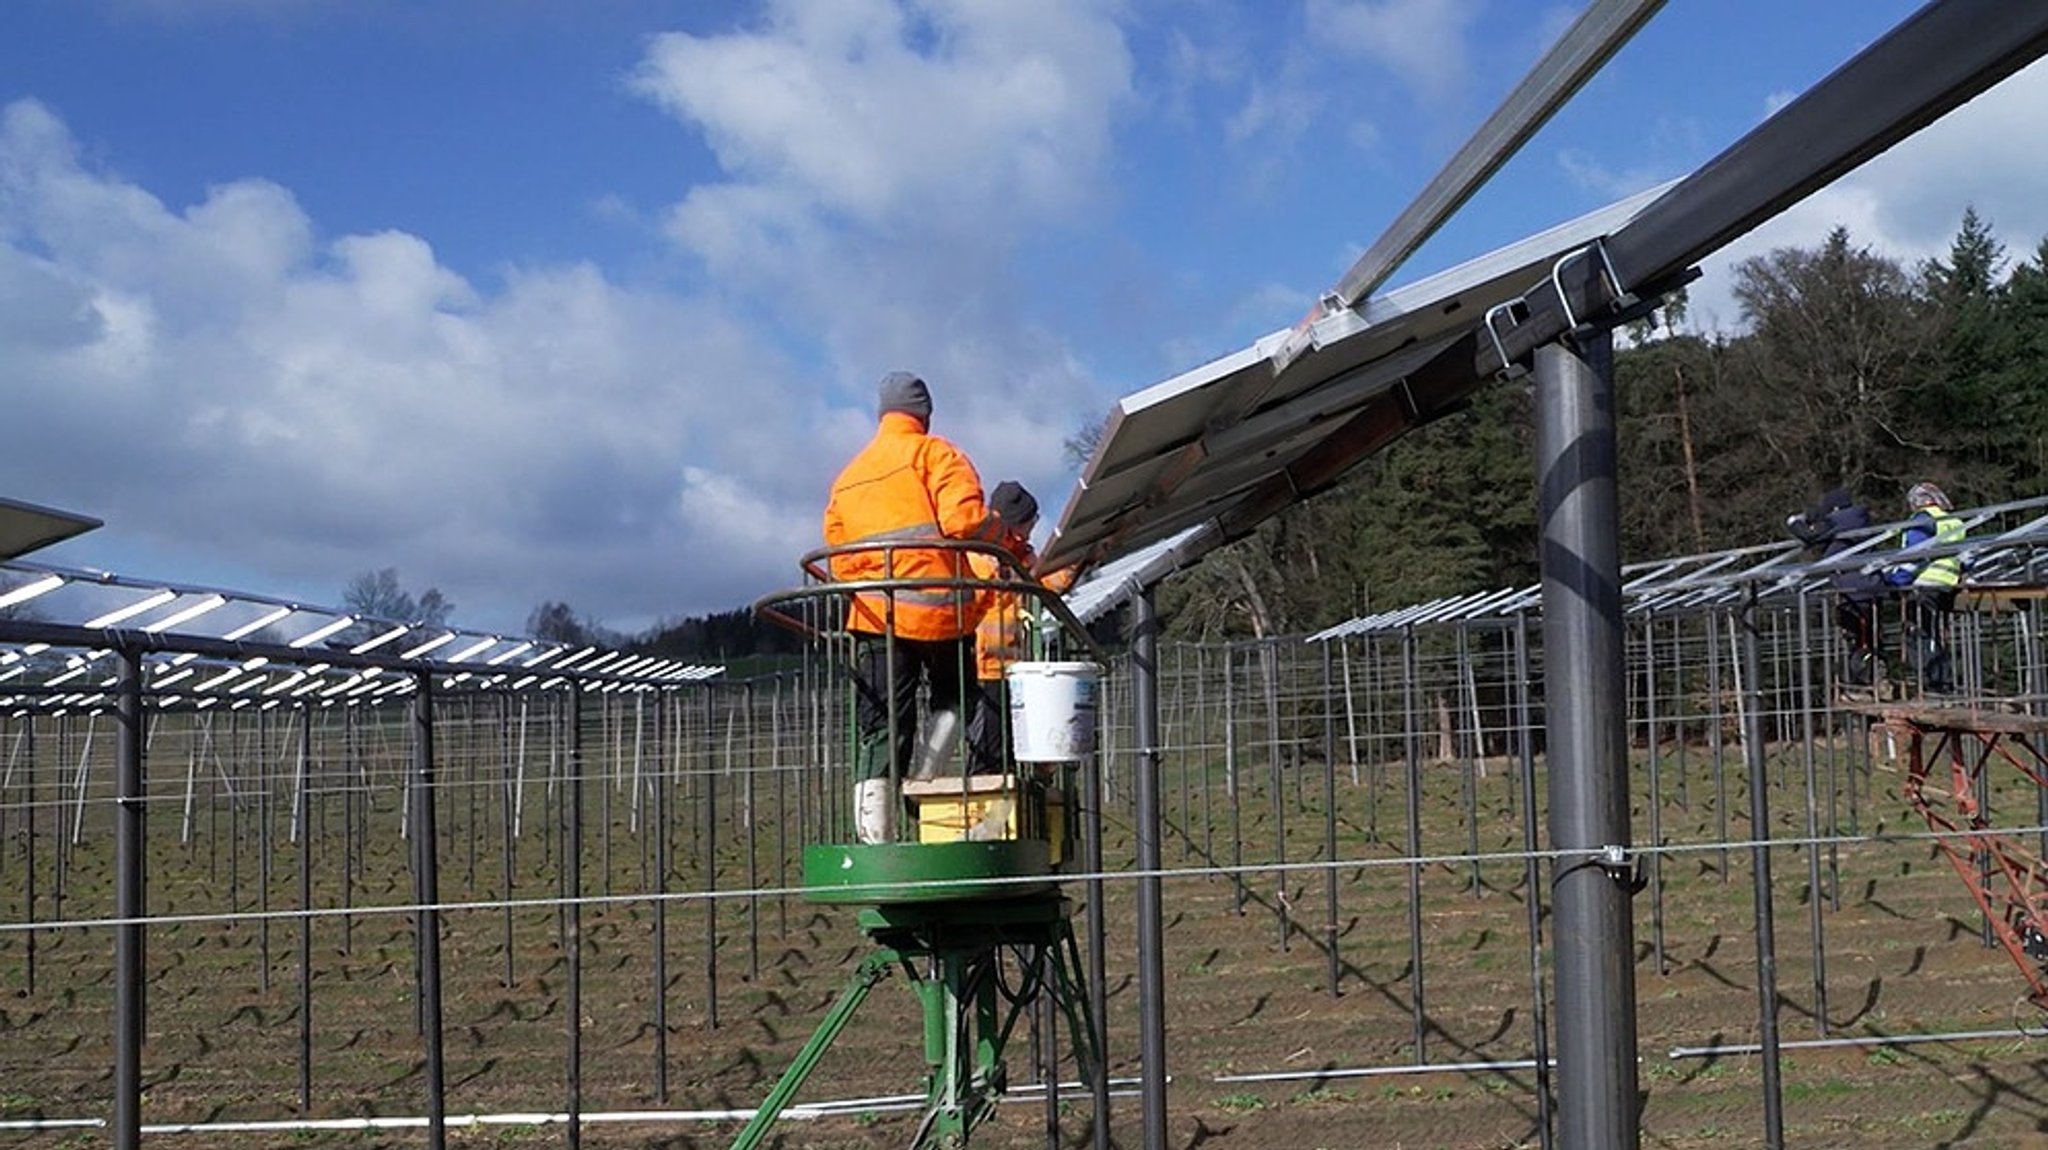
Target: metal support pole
{"x":305,"y":861}
{"x":1539,"y":1017}
{"x":572,"y":871}
{"x":707,"y":853}
{"x":512,"y":743}
{"x":1330,"y":929}
{"x":1230,"y":782}
{"x":1468,"y":784}
{"x":1411,"y":753}
{"x":751,"y":818}
{"x":663,"y":809}
{"x":130,"y":841}
{"x":1655,"y":803}
{"x":1589,"y":819}
{"x":1151,"y":940}
{"x":265,"y":808}
{"x":1283,"y":919}
{"x":1715,"y":693}
{"x":1098,"y":972}
{"x":427,"y":891}
{"x":1182,"y":740}
{"x":28,"y":894}
{"x":1760,"y":866}
{"x":1815,"y":920}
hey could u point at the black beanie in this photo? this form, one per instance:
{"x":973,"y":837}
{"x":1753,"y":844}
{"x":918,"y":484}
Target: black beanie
{"x":902,"y":391}
{"x":1014,"y":504}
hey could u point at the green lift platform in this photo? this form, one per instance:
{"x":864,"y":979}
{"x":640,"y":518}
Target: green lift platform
{"x":972,"y":915}
{"x":946,"y":914}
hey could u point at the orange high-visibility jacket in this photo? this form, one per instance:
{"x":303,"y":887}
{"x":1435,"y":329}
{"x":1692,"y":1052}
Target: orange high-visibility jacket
{"x":907,"y":485}
{"x":999,"y":638}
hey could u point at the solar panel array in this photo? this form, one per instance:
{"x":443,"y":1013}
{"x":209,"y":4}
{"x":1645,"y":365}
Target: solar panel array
{"x":203,"y":647}
{"x":2015,"y":552}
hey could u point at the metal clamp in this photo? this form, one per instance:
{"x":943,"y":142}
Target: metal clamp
{"x":1620,"y":865}
{"x":1509,"y":369}
{"x":1622,"y":297}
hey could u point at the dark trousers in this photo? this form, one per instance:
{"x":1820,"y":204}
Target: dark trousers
{"x":887,"y":673}
{"x":989,"y":730}
{"x":1925,"y":646}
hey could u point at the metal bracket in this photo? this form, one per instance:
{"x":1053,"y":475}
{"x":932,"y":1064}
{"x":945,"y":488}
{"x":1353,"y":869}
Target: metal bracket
{"x":1623,"y":867}
{"x":1622,"y":298}
{"x":1509,"y":369}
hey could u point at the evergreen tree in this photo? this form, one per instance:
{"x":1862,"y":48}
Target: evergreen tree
{"x":1960,"y":403}
{"x":2022,"y":378}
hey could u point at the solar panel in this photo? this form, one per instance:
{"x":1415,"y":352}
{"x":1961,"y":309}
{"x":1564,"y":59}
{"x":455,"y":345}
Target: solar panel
{"x":1597,"y":34}
{"x":1112,"y":584}
{"x":1218,"y":443}
{"x":1235,"y":441}
{"x":25,"y":527}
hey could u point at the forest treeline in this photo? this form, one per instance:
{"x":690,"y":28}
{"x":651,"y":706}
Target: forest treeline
{"x":1850,"y":369}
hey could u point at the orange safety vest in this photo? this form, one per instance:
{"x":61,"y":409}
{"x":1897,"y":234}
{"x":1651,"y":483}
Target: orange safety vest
{"x":1000,"y":640}
{"x":907,"y":485}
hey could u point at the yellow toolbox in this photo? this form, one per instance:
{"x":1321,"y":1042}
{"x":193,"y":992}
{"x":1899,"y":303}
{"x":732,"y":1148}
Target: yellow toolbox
{"x":983,"y":808}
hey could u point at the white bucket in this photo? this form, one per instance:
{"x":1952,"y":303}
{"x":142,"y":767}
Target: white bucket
{"x":1052,"y":711}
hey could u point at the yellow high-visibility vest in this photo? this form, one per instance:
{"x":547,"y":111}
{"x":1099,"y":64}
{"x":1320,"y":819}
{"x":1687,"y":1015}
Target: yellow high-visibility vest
{"x":1945,"y":573}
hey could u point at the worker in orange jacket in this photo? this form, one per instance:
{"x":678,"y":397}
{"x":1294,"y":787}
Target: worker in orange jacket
{"x":906,"y":486}
{"x":1002,"y":637}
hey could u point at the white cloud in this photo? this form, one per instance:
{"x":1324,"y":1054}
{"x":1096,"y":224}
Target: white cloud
{"x":883,"y":112}
{"x":883,"y":162}
{"x":1273,"y":114}
{"x":727,"y":513}
{"x":311,"y":410}
{"x":1422,"y":41}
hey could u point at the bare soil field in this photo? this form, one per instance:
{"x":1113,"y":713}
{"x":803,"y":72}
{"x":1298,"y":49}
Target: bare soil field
{"x":1247,"y":980}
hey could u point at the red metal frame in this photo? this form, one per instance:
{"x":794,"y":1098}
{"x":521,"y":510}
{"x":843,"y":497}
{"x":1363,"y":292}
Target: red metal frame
{"x":2007,"y":877}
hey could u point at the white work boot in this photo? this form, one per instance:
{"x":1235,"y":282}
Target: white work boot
{"x":874,"y":811}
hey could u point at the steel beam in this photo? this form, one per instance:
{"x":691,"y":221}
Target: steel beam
{"x":1590,"y":42}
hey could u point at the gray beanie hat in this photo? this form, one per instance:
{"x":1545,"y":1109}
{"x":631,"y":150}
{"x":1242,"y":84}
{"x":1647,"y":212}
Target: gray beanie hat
{"x":902,"y":391}
{"x":1013,"y":504}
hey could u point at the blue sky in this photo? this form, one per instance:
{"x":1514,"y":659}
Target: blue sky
{"x":586,"y":301}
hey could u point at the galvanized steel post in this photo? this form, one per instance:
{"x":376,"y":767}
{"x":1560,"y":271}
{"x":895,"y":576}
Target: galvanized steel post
{"x":427,"y":892}
{"x":1587,"y":745}
{"x":130,"y":841}
{"x":1760,"y":871}
{"x":1151,"y":940}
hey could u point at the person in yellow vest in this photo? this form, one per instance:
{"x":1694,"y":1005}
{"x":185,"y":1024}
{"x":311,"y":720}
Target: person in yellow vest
{"x":905,"y":487}
{"x":1931,"y":586}
{"x":1004,"y":634}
